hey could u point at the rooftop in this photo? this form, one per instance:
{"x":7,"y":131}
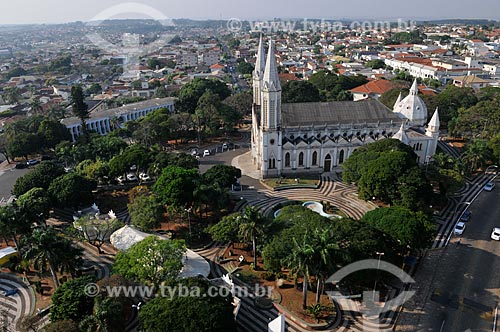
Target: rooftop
{"x":120,"y":110}
{"x":337,"y":112}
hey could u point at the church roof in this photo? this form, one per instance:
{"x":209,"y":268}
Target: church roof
{"x":336,"y":112}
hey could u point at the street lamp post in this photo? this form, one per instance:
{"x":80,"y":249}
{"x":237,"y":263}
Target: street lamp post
{"x":380,"y":254}
{"x":189,"y":219}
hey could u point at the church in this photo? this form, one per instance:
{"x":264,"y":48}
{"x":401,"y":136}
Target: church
{"x":304,"y":138}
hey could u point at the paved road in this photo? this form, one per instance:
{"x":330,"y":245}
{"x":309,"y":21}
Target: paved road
{"x":8,"y":178}
{"x":461,"y":282}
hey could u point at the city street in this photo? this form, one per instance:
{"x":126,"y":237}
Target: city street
{"x":8,"y":178}
{"x":458,"y":286}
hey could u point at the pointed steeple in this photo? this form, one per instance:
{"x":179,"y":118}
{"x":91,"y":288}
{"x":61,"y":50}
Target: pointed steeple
{"x":398,"y":101}
{"x":260,"y":62}
{"x":401,"y":134}
{"x":414,"y":88}
{"x":271,"y":78}
{"x":434,"y":123}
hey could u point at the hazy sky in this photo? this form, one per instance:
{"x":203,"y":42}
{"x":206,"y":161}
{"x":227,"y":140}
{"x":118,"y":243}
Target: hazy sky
{"x":56,"y":11}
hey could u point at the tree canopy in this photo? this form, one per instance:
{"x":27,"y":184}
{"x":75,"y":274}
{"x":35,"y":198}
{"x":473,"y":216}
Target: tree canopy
{"x":299,"y":92}
{"x":151,"y":261}
{"x":197,"y":312}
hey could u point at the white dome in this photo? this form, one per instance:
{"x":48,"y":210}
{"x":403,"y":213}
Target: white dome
{"x":412,"y":108}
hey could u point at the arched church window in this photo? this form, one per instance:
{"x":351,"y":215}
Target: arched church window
{"x":287,"y":159}
{"x":315,"y":158}
{"x":271,"y":141}
{"x":301,"y":159}
{"x":341,"y":157}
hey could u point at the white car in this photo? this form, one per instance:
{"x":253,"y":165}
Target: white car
{"x":206,"y":153}
{"x":131,"y":177}
{"x":120,"y":179}
{"x":489,"y":186}
{"x":459,"y":228}
{"x":495,"y":234}
{"x":144,"y":177}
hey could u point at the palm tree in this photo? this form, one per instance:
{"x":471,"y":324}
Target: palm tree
{"x":326,"y":252}
{"x":476,"y":154}
{"x":49,"y":251}
{"x":12,"y":95}
{"x":36,"y":105}
{"x":251,"y":227}
{"x":300,"y":261}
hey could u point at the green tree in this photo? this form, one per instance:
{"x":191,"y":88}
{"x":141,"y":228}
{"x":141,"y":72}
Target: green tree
{"x":80,"y":108}
{"x":97,"y":231}
{"x":62,"y":326}
{"x":192,"y":313}
{"x":47,"y":250}
{"x":151,"y":260}
{"x":241,"y":102}
{"x":52,"y":133}
{"x":251,"y":228}
{"x":40,"y":177}
{"x":176,"y":185}
{"x":412,"y":230}
{"x":34,"y":205}
{"x":191,"y":93}
{"x":146,"y":212}
{"x":222,"y":175}
{"x":375,"y":64}
{"x":245,"y":68}
{"x":476,"y":154}
{"x":226,"y":230}
{"x":133,"y":155}
{"x":299,"y":92}
{"x":71,"y":190}
{"x":451,"y":99}
{"x":70,"y":302}
{"x":12,"y":95}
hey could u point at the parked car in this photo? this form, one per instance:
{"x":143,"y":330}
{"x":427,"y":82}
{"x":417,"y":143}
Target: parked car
{"x":32,"y":162}
{"x":120,"y":179}
{"x":131,"y":177}
{"x":144,"y":177}
{"x":194,"y":152}
{"x":466,"y":216}
{"x":459,"y":228}
{"x":206,"y":153}
{"x":489,"y":186}
{"x":495,"y":234}
{"x":21,"y":165}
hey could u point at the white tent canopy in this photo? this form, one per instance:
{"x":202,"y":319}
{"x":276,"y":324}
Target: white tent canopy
{"x":194,"y":264}
{"x":126,"y":237}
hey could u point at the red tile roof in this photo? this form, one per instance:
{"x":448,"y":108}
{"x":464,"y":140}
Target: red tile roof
{"x":375,"y":86}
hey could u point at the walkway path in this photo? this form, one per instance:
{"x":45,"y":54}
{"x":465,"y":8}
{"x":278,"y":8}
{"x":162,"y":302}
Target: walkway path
{"x":14,"y":307}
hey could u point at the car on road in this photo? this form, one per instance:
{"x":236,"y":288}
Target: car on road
{"x":21,"y":165}
{"x":120,"y":179}
{"x":131,"y":177}
{"x":144,"y":177}
{"x":489,"y":186}
{"x":459,"y":228}
{"x":32,"y":162}
{"x":466,"y":216}
{"x":495,"y":234}
{"x":206,"y":153}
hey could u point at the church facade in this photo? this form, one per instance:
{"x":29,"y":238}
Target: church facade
{"x":302,"y":138}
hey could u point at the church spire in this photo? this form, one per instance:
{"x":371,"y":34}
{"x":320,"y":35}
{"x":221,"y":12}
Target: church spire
{"x":271,"y":78}
{"x":398,"y":101}
{"x":434,"y":124}
{"x":414,"y":88}
{"x":401,"y":135}
{"x":260,"y":62}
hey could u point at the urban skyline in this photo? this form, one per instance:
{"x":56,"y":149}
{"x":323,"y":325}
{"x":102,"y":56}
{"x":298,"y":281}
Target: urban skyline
{"x":57,"y":11}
